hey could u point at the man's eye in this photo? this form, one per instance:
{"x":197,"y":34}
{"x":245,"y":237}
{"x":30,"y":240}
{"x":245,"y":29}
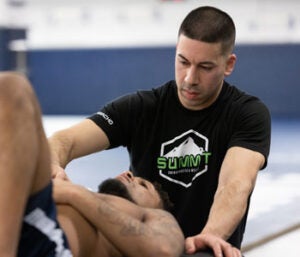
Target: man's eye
{"x":184,"y":63}
{"x":207,"y":68}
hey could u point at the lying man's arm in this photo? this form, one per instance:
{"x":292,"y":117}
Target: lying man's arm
{"x":134,"y":230}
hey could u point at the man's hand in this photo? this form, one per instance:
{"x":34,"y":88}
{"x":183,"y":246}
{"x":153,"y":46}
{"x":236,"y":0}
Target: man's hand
{"x":62,"y":188}
{"x":59,"y":172}
{"x":220,"y":247}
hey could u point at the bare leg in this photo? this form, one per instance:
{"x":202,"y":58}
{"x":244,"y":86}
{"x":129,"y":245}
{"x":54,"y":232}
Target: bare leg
{"x":24,"y":156}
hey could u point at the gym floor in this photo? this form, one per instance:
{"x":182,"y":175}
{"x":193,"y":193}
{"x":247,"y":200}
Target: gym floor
{"x":273,"y":227}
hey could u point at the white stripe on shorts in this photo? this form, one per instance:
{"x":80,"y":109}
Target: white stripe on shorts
{"x":38,"y":219}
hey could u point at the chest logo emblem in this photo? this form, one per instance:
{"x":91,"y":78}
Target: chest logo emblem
{"x":184,"y":158}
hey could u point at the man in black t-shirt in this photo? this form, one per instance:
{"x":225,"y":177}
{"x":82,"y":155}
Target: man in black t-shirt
{"x":203,"y":139}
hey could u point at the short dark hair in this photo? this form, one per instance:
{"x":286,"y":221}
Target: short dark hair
{"x":210,"y":25}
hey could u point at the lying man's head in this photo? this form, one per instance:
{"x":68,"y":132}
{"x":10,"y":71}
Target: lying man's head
{"x":137,"y":190}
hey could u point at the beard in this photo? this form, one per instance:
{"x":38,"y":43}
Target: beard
{"x":114,"y":187}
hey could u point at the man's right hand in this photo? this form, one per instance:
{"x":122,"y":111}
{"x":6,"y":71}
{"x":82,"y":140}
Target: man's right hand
{"x":59,"y":172}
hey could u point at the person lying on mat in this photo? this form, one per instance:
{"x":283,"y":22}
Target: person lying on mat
{"x":126,"y":211}
{"x":88,"y":224}
{"x":126,"y":218}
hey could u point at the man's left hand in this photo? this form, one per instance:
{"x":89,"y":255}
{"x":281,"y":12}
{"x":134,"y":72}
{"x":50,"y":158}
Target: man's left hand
{"x":220,"y":247}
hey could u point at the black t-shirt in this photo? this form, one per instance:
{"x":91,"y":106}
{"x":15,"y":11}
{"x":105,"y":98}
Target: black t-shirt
{"x":183,"y":149}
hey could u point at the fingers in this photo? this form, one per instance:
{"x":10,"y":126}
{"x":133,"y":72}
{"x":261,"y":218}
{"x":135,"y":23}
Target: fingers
{"x":224,"y":249}
{"x":237,"y":252}
{"x":61,"y":188}
{"x":58,"y":172}
{"x":62,"y":175}
{"x":220,"y":247}
{"x":190,"y":247}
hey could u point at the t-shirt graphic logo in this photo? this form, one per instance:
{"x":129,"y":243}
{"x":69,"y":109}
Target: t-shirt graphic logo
{"x":184,"y":158}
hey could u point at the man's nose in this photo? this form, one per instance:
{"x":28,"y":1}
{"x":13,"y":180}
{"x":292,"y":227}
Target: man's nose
{"x":129,"y":175}
{"x":192,"y":76}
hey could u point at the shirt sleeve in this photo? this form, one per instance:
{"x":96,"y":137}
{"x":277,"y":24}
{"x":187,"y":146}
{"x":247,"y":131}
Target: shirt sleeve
{"x":117,"y":119}
{"x":253,"y":128}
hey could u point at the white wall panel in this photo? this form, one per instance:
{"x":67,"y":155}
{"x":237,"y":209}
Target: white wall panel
{"x":91,"y":23}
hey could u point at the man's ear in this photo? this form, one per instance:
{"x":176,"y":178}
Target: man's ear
{"x":230,"y":63}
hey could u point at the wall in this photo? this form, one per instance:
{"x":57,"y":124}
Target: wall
{"x":79,"y":81}
{"x":81,"y":54}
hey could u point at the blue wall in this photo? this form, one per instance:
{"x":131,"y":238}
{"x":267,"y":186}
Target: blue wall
{"x":80,"y":81}
{"x":272,"y":73}
{"x":8,"y":57}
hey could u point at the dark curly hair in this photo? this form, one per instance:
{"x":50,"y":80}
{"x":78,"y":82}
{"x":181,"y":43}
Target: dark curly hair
{"x":164,"y":197}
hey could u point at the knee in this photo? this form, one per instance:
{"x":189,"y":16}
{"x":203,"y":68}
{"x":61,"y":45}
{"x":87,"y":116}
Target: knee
{"x":15,"y":91}
{"x":13,"y":83}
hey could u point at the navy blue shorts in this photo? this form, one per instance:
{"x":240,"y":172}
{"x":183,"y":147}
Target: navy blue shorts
{"x":41,"y":234}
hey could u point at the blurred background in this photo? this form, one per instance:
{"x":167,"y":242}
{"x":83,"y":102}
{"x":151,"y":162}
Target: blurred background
{"x":91,"y":51}
{"x":81,"y":54}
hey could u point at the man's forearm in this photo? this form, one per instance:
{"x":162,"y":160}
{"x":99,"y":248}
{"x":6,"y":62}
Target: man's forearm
{"x":229,"y":207}
{"x":60,"y":148}
{"x":236,"y":182}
